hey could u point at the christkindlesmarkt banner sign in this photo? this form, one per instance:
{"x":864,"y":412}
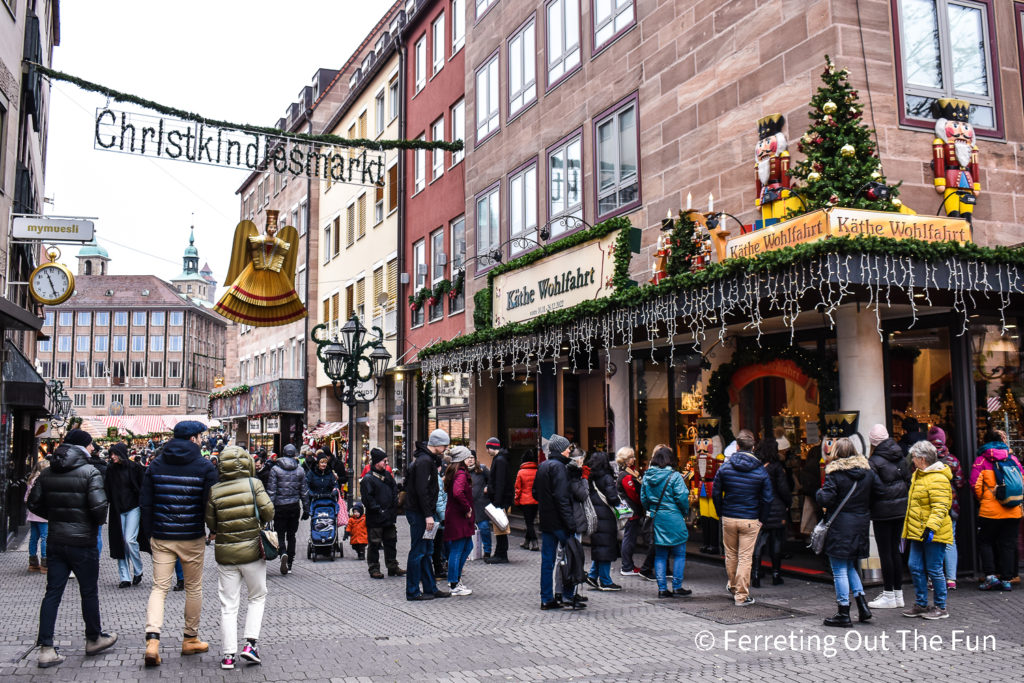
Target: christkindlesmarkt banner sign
{"x":166,"y":137}
{"x":559,"y":281}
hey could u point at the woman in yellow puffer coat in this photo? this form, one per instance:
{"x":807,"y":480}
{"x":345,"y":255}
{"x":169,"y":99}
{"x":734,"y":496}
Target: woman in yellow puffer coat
{"x":929,"y":529}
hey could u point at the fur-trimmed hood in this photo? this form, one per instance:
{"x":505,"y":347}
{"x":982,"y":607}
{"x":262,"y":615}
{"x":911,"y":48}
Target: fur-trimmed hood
{"x":854,"y":462}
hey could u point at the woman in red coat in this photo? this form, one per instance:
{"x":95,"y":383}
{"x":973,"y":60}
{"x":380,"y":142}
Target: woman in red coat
{"x":524,"y":497}
{"x":459,"y":523}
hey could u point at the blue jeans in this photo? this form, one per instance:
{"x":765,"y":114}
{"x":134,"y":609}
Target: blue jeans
{"x":419,"y":565}
{"x":85,"y":563}
{"x":602,"y":571}
{"x":37,"y":537}
{"x":99,"y":540}
{"x":926,"y":561}
{"x":131,"y":564}
{"x":549,"y":541}
{"x":458,"y":553}
{"x":179,"y":571}
{"x":950,"y":558}
{"x":661,"y":555}
{"x":485,"y":534}
{"x":846,"y":579}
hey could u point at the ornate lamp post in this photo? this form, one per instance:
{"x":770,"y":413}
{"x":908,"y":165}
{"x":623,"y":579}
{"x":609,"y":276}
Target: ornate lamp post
{"x":356,"y":367}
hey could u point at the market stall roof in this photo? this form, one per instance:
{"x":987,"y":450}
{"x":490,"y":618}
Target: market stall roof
{"x":328,"y":429}
{"x":150,"y":424}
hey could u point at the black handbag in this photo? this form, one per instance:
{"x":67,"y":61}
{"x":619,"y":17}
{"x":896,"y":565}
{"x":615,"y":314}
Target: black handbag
{"x":269,"y":543}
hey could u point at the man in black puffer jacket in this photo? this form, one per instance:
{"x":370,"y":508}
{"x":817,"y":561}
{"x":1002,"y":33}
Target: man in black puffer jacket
{"x":888,"y":508}
{"x":501,"y":489}
{"x":173,"y":502}
{"x":551,"y":490}
{"x":380,"y":498}
{"x":288,"y":489}
{"x":69,"y":495}
{"x":421,"y":489}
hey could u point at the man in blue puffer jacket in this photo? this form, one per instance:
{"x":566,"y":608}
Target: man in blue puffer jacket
{"x":173,"y":502}
{"x":742,"y":494}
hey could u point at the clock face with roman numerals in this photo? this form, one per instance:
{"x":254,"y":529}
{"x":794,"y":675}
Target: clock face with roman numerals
{"x":51,"y":283}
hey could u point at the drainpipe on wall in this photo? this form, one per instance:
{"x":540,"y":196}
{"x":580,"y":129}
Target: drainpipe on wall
{"x":399,"y":307}
{"x":306,"y":345}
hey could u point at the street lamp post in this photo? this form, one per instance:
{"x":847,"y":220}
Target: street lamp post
{"x":356,"y":367}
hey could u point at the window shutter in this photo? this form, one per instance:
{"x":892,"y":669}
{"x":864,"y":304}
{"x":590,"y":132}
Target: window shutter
{"x":393,"y":188}
{"x":392,"y":284}
{"x":360,"y":292}
{"x":378,"y":289}
{"x":362,"y":215}
{"x":337,"y":235}
{"x":349,"y":301}
{"x":336,"y":307}
{"x":351,"y":136}
{"x":350,"y":226}
{"x":327,"y":312}
{"x":362,"y":125}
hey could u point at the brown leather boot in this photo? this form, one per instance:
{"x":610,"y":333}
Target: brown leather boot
{"x":42,"y":565}
{"x":191,"y":645}
{"x":33,"y":563}
{"x":152,"y":649}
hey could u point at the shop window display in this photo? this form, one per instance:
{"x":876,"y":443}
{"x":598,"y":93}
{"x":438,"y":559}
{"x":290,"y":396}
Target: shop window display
{"x":920,"y":381}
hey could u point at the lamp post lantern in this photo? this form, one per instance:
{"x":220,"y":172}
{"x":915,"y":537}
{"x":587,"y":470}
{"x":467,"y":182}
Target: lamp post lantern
{"x":356,"y":367}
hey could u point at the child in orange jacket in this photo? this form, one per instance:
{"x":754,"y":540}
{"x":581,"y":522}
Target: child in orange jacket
{"x":355,"y":530}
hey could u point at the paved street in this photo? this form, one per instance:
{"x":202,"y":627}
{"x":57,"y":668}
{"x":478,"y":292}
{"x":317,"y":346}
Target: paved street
{"x":330,"y":621}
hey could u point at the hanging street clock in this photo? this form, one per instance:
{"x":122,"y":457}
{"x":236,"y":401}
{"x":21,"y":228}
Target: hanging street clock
{"x":52,"y":283}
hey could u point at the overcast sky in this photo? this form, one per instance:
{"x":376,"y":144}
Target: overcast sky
{"x":239,"y":61}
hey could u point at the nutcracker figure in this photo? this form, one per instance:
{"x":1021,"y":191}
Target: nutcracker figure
{"x":771,"y":160}
{"x":705,"y":467}
{"x":837,"y":426}
{"x":955,"y":158}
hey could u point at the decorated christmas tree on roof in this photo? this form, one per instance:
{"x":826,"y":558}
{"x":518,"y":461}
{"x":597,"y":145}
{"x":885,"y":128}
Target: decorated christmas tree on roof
{"x":842,"y":167}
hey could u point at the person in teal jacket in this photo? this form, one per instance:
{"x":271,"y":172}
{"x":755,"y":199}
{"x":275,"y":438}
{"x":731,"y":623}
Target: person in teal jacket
{"x":667,"y":500}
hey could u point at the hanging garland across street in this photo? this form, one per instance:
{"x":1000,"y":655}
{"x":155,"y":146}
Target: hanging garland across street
{"x":820,"y":369}
{"x":698,"y":303}
{"x":326,"y":139}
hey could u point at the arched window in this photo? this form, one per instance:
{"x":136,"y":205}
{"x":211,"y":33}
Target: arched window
{"x":103,"y":268}
{"x":88,"y":267}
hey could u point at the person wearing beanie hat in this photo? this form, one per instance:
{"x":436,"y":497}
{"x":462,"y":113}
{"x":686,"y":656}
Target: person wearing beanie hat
{"x":888,"y":508}
{"x":78,"y":437}
{"x":173,"y":500}
{"x":501,"y":489}
{"x":421,"y":493}
{"x":937,"y":437}
{"x":557,"y":524}
{"x":380,"y":498}
{"x":289,"y":492}
{"x":493,"y":442}
{"x":123,"y":483}
{"x":355,"y":530}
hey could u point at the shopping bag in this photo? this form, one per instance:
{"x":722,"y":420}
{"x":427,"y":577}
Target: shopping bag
{"x":498,"y":518}
{"x":478,"y":547}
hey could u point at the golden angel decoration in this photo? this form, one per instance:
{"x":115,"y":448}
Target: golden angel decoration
{"x":262,"y":276}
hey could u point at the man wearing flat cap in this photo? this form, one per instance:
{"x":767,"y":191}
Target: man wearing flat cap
{"x":173,"y":502}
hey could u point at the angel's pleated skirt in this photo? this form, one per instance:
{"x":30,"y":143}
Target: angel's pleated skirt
{"x":261,"y":298}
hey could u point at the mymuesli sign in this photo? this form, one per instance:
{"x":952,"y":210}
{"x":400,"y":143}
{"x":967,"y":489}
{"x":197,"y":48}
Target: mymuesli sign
{"x":559,"y":281}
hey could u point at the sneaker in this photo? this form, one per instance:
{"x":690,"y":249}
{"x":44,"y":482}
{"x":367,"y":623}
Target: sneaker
{"x":251,"y":654}
{"x":950,"y":585}
{"x":609,"y":587}
{"x":137,"y":579}
{"x":917,"y":611}
{"x":94,"y":647}
{"x":461,"y":590}
{"x":284,"y":564}
{"x":1006,"y":585}
{"x":592,"y":582}
{"x":936,"y":613}
{"x":899,"y":598}
{"x":49,"y":656}
{"x":746,"y":603}
{"x":990,"y":583}
{"x":647,"y":575}
{"x":228,"y":662}
{"x":632,"y":572}
{"x":730,"y":589}
{"x":887,"y":600}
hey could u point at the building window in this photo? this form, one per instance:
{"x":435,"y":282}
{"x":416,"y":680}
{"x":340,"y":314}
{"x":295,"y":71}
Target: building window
{"x":139,"y":319}
{"x":563,"y":39}
{"x":946,"y":49}
{"x":156,"y":369}
{"x":522,"y":209}
{"x":393,"y":99}
{"x":82,"y":368}
{"x":419,"y":260}
{"x":99,"y":369}
{"x":65,"y":318}
{"x":156,"y":318}
{"x":63,"y":369}
{"x":64,"y":342}
{"x":135,"y":400}
{"x":488,"y":235}
{"x":173,"y":400}
{"x":419,"y":173}
{"x":84,"y":318}
{"x":117,"y":398}
{"x":300,"y":283}
{"x":438,"y":42}
{"x":421,"y":62}
{"x":522,"y":69}
{"x":327,"y":243}
{"x":565,"y":184}
{"x":459,"y":129}
{"x":102,"y":342}
{"x":154,"y":399}
{"x":46,"y":369}
{"x":458,"y":261}
{"x":177,"y":318}
{"x":482,"y":6}
{"x":173,"y":368}
{"x":118,"y":369}
{"x":437,"y":263}
{"x":121,"y":318}
{"x":458,"y":25}
{"x":120,"y":342}
{"x":611,"y":17}
{"x":487,"y":113}
{"x":379,"y":113}
{"x":45,"y":345}
{"x":378,"y":205}
{"x":138,"y":342}
{"x":80,"y":400}
{"x":618,"y":183}
{"x":102,"y":318}
{"x":48,"y":319}
{"x":437,"y":135}
{"x":99,"y":400}
{"x":138,"y":368}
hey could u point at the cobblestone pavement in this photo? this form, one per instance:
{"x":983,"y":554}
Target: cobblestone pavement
{"x":330,"y":621}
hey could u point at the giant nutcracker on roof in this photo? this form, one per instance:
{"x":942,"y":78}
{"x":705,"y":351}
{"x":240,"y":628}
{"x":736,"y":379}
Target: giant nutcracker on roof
{"x":709,"y":458}
{"x":955,"y":158}
{"x":837,"y":426}
{"x":771,"y":162}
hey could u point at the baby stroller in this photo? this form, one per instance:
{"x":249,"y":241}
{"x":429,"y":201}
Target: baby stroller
{"x":323,"y":529}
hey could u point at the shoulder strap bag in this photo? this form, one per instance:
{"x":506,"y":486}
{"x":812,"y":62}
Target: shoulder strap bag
{"x":651,"y":511}
{"x":820,"y":531}
{"x":268,"y":539}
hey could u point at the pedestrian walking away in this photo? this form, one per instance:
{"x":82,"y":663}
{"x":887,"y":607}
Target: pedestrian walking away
{"x":665,"y":495}
{"x":604,"y":541}
{"x":236,"y":510}
{"x":70,"y":496}
{"x":123,"y":484}
{"x":996,"y":481}
{"x":772,"y":537}
{"x":523,"y":497}
{"x":173,"y":500}
{"x":459,"y":513}
{"x":287,"y":488}
{"x":928,"y":528}
{"x":380,"y":500}
{"x":937,"y":438}
{"x":888,"y":510}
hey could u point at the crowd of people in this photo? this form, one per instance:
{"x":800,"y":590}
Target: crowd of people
{"x":176,"y":501}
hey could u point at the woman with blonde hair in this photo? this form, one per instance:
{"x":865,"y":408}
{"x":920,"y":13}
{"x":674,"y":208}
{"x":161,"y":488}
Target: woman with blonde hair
{"x":629,"y":485}
{"x":39,"y":526}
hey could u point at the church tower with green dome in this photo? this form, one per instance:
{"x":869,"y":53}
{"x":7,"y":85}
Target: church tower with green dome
{"x":191,"y":282}
{"x":93,"y":259}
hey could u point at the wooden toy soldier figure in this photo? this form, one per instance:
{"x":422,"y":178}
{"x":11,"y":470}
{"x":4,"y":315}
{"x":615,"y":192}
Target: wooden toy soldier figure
{"x":771,"y":160}
{"x":955,"y":158}
{"x":705,"y":467}
{"x":837,"y":426}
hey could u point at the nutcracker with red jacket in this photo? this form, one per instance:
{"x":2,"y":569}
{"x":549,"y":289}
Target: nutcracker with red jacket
{"x":771,"y":161}
{"x":705,"y":466}
{"x":955,"y":158}
{"x":838,"y":425}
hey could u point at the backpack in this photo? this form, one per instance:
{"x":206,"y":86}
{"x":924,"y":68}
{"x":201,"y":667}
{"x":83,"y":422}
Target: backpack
{"x":1009,"y":487}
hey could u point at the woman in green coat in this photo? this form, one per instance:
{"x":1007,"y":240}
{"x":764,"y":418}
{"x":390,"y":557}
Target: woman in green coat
{"x":667,"y":500}
{"x":237,"y":508}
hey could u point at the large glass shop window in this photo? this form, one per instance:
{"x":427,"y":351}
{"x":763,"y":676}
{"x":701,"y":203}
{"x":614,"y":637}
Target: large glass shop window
{"x":998,"y":387}
{"x":920,"y":382}
{"x":661,"y":387}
